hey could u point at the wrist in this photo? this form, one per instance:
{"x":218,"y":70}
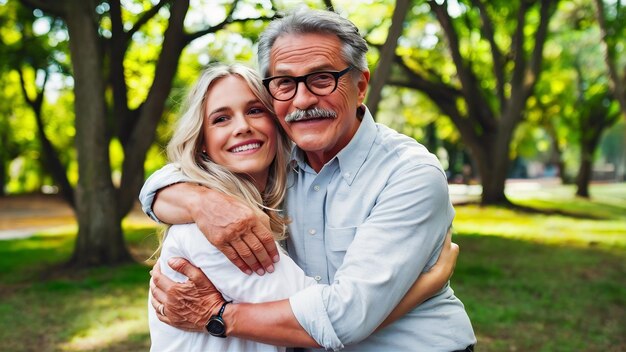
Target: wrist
{"x":196,"y":199}
{"x":217,"y":326}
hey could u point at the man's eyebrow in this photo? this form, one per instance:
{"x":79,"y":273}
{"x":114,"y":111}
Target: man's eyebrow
{"x":324,"y":67}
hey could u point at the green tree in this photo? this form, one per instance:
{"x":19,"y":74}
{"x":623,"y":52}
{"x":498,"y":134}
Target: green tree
{"x":573,"y":102}
{"x":100,"y":36}
{"x":612,"y":22}
{"x":483,"y":76}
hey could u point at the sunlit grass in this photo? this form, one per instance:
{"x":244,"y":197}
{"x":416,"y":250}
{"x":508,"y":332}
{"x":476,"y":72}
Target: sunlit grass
{"x":538,"y":282}
{"x":530,"y":281}
{"x":551,"y":229}
{"x":101,"y":309}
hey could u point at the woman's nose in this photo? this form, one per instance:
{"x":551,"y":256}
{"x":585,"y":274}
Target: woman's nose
{"x":242,"y":126}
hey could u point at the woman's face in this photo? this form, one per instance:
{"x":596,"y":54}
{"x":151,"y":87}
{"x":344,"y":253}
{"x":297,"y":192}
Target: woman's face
{"x":239,"y":132}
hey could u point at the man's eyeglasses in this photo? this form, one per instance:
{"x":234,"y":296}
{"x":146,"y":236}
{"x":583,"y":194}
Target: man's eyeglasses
{"x":321,"y":83}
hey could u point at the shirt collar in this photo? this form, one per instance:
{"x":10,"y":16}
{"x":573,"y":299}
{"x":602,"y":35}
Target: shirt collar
{"x":353,"y":155}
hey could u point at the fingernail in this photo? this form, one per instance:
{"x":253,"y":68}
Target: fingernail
{"x":248,"y":272}
{"x":270,"y":269}
{"x":276,"y":258}
{"x":260,"y":272}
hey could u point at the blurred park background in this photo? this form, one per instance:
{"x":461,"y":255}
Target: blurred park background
{"x":523,"y":101}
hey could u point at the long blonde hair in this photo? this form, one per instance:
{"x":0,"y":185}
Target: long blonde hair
{"x":185,"y":149}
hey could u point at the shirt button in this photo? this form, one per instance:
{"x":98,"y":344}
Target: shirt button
{"x":346,"y":175}
{"x":316,"y":187}
{"x":312,"y":232}
{"x":317,"y":278}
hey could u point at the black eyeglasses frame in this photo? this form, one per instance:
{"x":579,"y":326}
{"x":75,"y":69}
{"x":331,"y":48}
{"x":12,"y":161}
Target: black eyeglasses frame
{"x":303,"y":78}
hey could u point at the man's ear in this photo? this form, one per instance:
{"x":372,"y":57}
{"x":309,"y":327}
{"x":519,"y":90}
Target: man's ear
{"x":362,"y":85}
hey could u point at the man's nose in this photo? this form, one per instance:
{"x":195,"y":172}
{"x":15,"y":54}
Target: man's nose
{"x":304,"y":98}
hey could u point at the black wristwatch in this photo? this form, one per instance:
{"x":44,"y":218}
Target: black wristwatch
{"x":216,"y":325}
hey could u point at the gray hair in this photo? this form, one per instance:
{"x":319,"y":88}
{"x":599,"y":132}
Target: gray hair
{"x":305,"y":20}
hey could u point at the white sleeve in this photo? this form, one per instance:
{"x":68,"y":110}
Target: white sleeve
{"x":188,"y":241}
{"x":165,"y":176}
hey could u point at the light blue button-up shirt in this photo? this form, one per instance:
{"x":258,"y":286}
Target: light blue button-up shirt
{"x":365,"y":227}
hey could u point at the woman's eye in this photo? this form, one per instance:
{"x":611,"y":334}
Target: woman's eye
{"x":220,"y":119}
{"x":256,"y":111}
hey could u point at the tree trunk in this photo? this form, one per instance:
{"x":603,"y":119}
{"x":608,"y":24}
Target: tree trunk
{"x":140,"y":139}
{"x":4,"y":159}
{"x":584,"y":174}
{"x":100,"y":240}
{"x":492,"y":161}
{"x":53,"y":164}
{"x":387,"y":55}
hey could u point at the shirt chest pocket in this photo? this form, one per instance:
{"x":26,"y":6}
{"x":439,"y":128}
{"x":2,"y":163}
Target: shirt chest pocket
{"x":337,"y":242}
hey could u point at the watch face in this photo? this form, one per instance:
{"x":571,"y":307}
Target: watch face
{"x":216,"y":327}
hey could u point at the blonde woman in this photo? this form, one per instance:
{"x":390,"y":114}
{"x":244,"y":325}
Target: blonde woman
{"x":228,"y":139}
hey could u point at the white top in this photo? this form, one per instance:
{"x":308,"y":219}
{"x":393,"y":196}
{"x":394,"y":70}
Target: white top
{"x":188,"y":242}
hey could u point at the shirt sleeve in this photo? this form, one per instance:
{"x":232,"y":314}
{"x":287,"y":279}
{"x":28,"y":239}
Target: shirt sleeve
{"x":187,"y":241}
{"x":401,"y":238}
{"x":165,"y":176}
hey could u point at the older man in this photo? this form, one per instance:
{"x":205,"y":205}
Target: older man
{"x":369,"y":208}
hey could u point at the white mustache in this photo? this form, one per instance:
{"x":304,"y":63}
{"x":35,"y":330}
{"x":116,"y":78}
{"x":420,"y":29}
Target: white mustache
{"x":308,"y":114}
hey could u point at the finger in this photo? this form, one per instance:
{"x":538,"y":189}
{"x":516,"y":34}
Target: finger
{"x":232,"y":255}
{"x":454,"y":250}
{"x":245,"y":253}
{"x":259,"y":252}
{"x":184,"y":267}
{"x":158,"y":296}
{"x":267,"y":240}
{"x":454,"y":254}
{"x":161,"y":281}
{"x":153,"y":300}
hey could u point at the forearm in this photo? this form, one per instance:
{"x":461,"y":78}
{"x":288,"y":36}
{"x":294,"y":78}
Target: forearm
{"x":428,"y":284}
{"x":175,"y":204}
{"x":272,"y":323}
{"x":421,"y":290}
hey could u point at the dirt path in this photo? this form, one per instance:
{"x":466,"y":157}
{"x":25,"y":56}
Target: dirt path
{"x":23,"y":215}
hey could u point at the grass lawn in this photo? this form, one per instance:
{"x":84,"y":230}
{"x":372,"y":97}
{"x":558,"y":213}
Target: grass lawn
{"x":530,"y":281}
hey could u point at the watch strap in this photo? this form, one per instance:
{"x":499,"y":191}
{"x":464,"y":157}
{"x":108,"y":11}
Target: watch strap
{"x":219,"y":314}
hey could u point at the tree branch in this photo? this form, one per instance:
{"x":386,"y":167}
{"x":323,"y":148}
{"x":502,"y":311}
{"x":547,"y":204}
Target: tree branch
{"x":617,"y":85}
{"x":477,"y":105}
{"x":145,"y":17}
{"x":51,"y":161}
{"x":329,"y":5}
{"x":546,"y":11}
{"x":140,"y":139}
{"x":517,"y":48}
{"x":386,"y":55}
{"x":496,"y":54}
{"x":118,"y":47}
{"x":51,"y":7}
{"x":444,"y":96}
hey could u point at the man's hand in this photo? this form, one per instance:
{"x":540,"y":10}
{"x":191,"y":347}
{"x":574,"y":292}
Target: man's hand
{"x":187,"y":305}
{"x":428,"y":283}
{"x":239,"y":232}
{"x":444,"y":267}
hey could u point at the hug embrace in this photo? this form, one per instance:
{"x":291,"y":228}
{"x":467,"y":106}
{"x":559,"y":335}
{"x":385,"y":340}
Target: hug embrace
{"x":297,"y":220}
